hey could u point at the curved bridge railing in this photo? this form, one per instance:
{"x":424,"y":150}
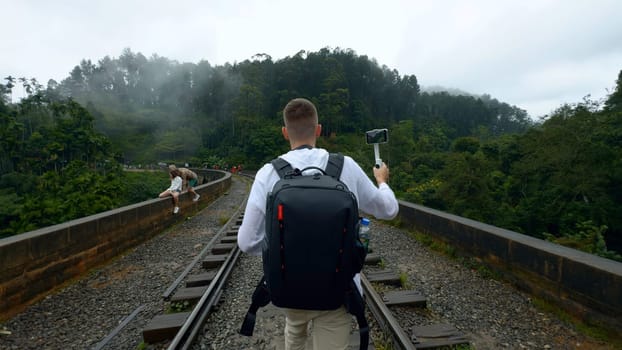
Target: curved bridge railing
{"x":36,"y":262}
{"x":585,"y":285}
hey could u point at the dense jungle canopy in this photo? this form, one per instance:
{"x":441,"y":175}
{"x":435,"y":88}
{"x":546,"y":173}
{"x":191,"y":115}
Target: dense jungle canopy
{"x":64,"y":146}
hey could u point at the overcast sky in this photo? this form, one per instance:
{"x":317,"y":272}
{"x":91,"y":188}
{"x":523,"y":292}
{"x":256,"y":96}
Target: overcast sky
{"x":535,"y":54}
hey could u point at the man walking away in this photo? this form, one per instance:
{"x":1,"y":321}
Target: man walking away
{"x":330,"y":328}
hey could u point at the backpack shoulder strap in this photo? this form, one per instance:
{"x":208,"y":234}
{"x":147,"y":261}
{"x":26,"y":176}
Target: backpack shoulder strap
{"x":261,"y":298}
{"x":334,"y":165}
{"x":281,"y":166}
{"x":355,"y":305}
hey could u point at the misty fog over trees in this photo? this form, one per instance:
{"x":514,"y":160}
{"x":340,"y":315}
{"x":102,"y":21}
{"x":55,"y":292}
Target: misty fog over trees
{"x":178,"y":109}
{"x":559,"y":178}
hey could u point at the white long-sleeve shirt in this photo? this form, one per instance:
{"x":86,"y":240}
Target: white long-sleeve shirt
{"x":377,"y":201}
{"x":176,"y":184}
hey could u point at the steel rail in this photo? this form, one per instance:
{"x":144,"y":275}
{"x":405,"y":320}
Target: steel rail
{"x":169,"y":291}
{"x":194,"y":323}
{"x":188,"y":332}
{"x":385,"y":318}
{"x":118,"y":329}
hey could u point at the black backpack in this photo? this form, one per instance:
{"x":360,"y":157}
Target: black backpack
{"x":311,"y":250}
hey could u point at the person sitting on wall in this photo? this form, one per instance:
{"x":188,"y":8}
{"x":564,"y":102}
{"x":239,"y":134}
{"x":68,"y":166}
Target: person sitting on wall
{"x":190,"y":180}
{"x":174,"y":190}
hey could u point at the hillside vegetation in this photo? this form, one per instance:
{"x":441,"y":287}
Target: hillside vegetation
{"x":63,"y":146}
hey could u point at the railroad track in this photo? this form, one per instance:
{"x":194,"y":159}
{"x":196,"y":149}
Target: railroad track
{"x":202,"y":290}
{"x":193,"y":324}
{"x":384,"y":290}
{"x":202,"y":282}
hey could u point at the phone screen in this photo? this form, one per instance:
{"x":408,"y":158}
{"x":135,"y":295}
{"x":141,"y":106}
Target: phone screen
{"x":377,"y":136}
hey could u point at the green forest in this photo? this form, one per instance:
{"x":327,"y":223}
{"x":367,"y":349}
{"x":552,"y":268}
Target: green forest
{"x":66,"y":146}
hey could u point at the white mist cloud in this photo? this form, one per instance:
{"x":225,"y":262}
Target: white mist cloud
{"x":536,"y":54}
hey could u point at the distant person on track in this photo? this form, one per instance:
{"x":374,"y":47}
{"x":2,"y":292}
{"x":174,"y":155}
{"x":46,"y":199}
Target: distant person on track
{"x":174,"y":190}
{"x":190,"y":180}
{"x":330,"y":328}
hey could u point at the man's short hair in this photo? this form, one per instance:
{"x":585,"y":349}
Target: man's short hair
{"x":300,"y":118}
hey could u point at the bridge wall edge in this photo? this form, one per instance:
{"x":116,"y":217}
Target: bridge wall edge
{"x":584,"y":285}
{"x":35,"y":263}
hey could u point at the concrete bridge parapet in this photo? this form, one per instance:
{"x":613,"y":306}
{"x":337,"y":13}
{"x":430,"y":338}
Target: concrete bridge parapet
{"x":34,"y":263}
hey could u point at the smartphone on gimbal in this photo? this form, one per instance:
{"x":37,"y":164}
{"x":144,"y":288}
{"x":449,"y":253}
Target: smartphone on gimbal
{"x":377,"y":136}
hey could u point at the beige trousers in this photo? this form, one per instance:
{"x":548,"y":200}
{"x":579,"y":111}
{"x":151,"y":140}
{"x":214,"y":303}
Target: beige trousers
{"x":330,"y":329}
